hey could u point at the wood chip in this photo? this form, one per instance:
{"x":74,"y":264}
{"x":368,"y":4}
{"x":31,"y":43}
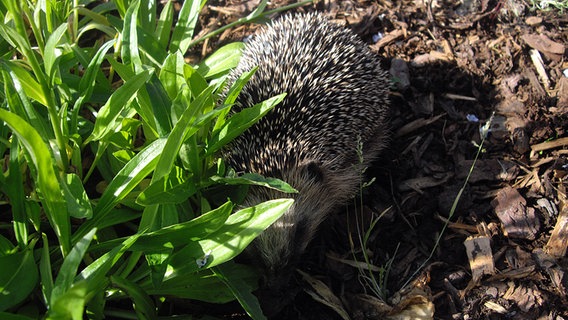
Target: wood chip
{"x":558,"y":241}
{"x":388,"y":38}
{"x":525,"y":297}
{"x":518,"y":220}
{"x":539,"y":65}
{"x":480,"y":257}
{"x":412,"y":303}
{"x":488,"y":170}
{"x":562,"y":96}
{"x":494,"y":306}
{"x":533,"y":21}
{"x":551,"y":49}
{"x":416,"y":124}
{"x":561,"y":142}
{"x":418,"y":184}
{"x":549,"y":264}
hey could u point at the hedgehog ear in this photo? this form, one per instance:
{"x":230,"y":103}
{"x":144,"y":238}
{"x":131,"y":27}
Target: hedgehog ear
{"x":313,"y":171}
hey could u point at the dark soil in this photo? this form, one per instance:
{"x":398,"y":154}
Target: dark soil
{"x":456,"y":66}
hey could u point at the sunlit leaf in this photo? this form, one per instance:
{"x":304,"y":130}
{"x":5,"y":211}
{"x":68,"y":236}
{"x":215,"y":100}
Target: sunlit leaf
{"x":106,"y":119}
{"x":183,"y":30}
{"x":241,"y":121}
{"x":78,"y":202}
{"x":229,"y":240}
{"x":222,"y":60}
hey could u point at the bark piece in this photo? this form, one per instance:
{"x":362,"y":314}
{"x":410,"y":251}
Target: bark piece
{"x":551,"y":49}
{"x":518,"y":220}
{"x":488,"y":170}
{"x":558,"y":241}
{"x":480,"y":257}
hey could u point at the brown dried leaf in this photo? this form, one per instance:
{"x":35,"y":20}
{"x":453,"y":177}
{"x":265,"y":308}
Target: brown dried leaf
{"x":414,"y":304}
{"x":324,"y":295}
{"x":418,"y":184}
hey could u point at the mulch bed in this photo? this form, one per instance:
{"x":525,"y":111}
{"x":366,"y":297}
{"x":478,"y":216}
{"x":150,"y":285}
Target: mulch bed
{"x":457,"y":66}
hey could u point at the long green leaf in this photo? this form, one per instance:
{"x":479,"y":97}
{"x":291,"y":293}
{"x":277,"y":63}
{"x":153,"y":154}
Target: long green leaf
{"x":222,"y":60}
{"x":50,"y":56}
{"x":78,"y":202}
{"x":17,"y":196}
{"x":45,"y":270}
{"x":130,"y":51}
{"x":165,"y":23}
{"x":174,"y":188}
{"x":257,"y":180}
{"x":87,"y":83}
{"x":242,"y":290}
{"x":189,"y":123}
{"x":230,"y":240}
{"x":71,"y":304}
{"x":143,"y":305}
{"x":48,"y":182}
{"x":202,"y":286}
{"x":29,"y":85}
{"x":178,"y":234}
{"x":68,"y":270}
{"x":95,"y":273}
{"x":138,"y":168}
{"x":241,"y":121}
{"x":106,"y":119}
{"x":183,"y":31}
{"x":171,"y":74}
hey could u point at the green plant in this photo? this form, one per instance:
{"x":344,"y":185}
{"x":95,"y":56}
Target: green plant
{"x":98,"y":94}
{"x":372,"y":278}
{"x":546,"y":5}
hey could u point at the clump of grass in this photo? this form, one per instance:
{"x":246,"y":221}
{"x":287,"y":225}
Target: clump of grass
{"x":98,"y":93}
{"x":373,"y":278}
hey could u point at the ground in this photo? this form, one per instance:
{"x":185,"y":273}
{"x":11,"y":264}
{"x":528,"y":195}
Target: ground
{"x":457,"y":67}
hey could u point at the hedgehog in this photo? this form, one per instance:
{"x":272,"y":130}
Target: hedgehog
{"x":331,"y":124}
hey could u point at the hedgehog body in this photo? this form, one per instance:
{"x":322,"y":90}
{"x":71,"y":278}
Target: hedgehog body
{"x":336,"y":100}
